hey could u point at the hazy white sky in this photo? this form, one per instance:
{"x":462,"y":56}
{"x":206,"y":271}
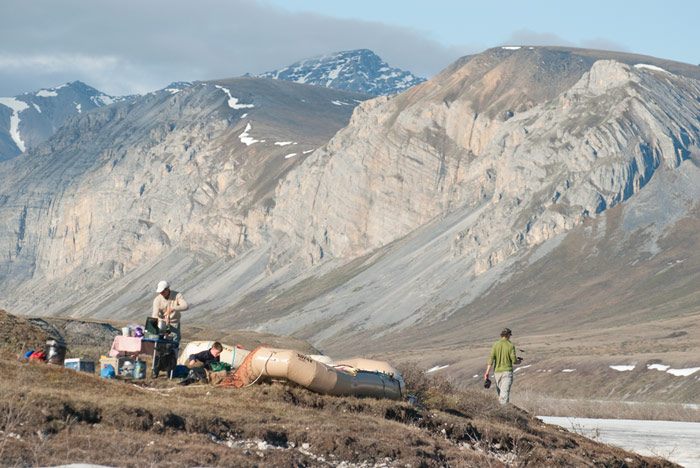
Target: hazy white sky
{"x":136,"y":46}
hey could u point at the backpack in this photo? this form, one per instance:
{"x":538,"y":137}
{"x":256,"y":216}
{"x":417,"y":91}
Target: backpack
{"x":219,"y":366}
{"x":38,"y":356}
{"x":197,"y":373}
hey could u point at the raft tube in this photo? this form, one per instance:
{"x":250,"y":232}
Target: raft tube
{"x":359,"y":377}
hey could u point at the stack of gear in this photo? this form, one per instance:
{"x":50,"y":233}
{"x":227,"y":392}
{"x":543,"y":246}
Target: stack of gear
{"x":55,"y":352}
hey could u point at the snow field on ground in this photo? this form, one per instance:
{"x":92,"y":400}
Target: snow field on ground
{"x":675,"y":441}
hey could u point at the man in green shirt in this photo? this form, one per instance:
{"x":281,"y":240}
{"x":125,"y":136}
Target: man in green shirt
{"x":502,"y":359}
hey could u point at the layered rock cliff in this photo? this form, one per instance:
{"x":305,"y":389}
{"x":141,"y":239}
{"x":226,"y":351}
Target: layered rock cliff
{"x":191,"y":169}
{"x":453,"y":183}
{"x":407,"y":223}
{"x":534,"y":137}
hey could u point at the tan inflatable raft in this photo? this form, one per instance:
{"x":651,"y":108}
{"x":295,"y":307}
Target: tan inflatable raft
{"x":360,"y":377}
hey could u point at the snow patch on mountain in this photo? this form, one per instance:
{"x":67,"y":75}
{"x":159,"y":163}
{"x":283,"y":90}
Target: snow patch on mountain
{"x":650,"y":67}
{"x":622,"y":368}
{"x":17,"y":107}
{"x":47,"y":93}
{"x":103,"y":100}
{"x":246,"y":138}
{"x":232,"y":101}
{"x":683,"y":372}
{"x":177,"y":86}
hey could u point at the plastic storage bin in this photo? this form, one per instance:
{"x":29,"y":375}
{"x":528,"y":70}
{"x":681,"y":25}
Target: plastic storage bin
{"x":84,"y":365}
{"x":125,"y":366}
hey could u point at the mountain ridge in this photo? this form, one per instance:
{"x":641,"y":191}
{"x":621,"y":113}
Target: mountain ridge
{"x":103,"y":148}
{"x":31,"y":118}
{"x":404,"y":223}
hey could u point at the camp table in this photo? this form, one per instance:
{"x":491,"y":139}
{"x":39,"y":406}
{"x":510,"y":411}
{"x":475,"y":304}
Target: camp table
{"x":125,"y":345}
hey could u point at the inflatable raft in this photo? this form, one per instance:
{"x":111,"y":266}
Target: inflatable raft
{"x":359,"y":377}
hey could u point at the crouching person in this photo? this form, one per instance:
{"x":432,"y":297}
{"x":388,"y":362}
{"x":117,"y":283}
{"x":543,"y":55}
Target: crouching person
{"x":206,"y":366}
{"x":205,"y":358}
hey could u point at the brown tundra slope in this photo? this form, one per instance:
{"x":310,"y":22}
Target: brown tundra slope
{"x":50,"y":415}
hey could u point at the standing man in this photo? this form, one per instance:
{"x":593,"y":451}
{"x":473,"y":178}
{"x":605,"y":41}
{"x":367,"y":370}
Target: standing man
{"x":503,"y":359}
{"x":167,"y":306}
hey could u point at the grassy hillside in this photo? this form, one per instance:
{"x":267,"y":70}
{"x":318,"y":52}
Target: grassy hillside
{"x":50,"y":415}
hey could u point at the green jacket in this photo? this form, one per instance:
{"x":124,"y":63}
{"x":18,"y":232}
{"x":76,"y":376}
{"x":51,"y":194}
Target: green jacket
{"x":503,"y":354}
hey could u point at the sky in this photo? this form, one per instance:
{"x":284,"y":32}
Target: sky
{"x":135,"y":46}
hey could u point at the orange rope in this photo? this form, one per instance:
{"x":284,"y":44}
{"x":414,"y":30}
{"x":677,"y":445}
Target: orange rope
{"x":243,"y":375}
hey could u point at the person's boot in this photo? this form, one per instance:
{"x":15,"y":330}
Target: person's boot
{"x":195,"y":375}
{"x":186,"y":381}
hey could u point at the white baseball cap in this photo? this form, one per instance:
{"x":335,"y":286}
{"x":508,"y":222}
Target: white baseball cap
{"x":162,"y":286}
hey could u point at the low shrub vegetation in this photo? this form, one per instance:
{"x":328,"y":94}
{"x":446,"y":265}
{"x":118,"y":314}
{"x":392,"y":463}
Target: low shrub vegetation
{"x":50,"y":416}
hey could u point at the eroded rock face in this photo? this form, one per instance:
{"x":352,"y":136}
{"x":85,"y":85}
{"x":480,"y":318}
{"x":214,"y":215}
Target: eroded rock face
{"x":548,"y":150}
{"x":409,"y":214}
{"x":191,"y":168}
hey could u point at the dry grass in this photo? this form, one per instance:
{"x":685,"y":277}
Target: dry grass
{"x":18,"y":335}
{"x":51,"y":415}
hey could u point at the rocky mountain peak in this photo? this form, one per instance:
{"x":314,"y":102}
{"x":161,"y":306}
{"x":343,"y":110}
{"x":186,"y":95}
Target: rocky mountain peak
{"x":177,"y":86}
{"x":31,"y":118}
{"x":360,"y":71}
